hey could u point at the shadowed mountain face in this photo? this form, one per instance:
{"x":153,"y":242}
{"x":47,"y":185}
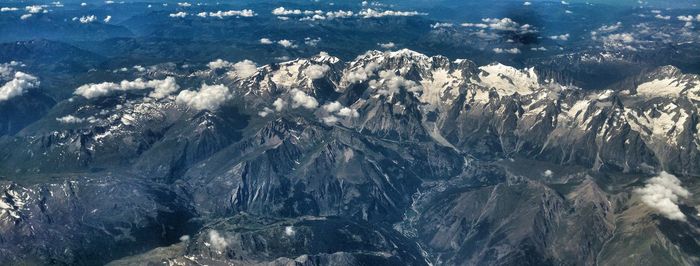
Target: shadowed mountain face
{"x":392,"y":158}
{"x":269,"y":133}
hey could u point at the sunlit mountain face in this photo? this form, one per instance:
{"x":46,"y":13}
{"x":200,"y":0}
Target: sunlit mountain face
{"x":350,"y":132}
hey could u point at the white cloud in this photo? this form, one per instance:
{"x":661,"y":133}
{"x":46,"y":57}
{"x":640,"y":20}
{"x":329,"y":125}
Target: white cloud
{"x":218,"y":63}
{"x":107,"y":19}
{"x":475,"y":25}
{"x":18,"y":85}
{"x":348,"y":112}
{"x":441,"y":25}
{"x":231,"y":13}
{"x":361,"y":74}
{"x":265,"y":41}
{"x":301,"y":99}
{"x":184,"y":4}
{"x":7,"y":70}
{"x":508,"y":51}
{"x":178,"y":15}
{"x":83,"y":4}
{"x":8,"y":9}
{"x":70,"y":119}
{"x":333,"y":110}
{"x":332,"y":107}
{"x":609,"y":28}
{"x":281,"y":11}
{"x":563,"y":37}
{"x":25,"y":16}
{"x":86,"y":19}
{"x":279,"y":104}
{"x":316,"y":71}
{"x":34,"y":9}
{"x":289,"y":231}
{"x":659,"y":16}
{"x":329,"y":120}
{"x":662,"y":194}
{"x":621,"y":37}
{"x":244,"y":69}
{"x":339,"y":14}
{"x":389,"y":83}
{"x":504,"y":24}
{"x":217,"y":241}
{"x":286,"y":43}
{"x":311,"y":41}
{"x":527,"y":3}
{"x":541,"y":48}
{"x":162,"y":88}
{"x":265,"y":112}
{"x":209,"y":97}
{"x":548,"y":173}
{"x":371,"y":13}
{"x":388,"y":45}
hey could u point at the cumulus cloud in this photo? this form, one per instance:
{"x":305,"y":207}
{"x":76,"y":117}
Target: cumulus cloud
{"x":70,"y":119}
{"x":312,"y":41}
{"x":7,"y":70}
{"x":209,"y":97}
{"x":501,"y":24}
{"x":265,"y":41}
{"x":25,"y":16}
{"x":662,"y":17}
{"x":527,"y":3}
{"x":301,"y":99}
{"x":218,"y":63}
{"x":563,"y":37}
{"x":107,"y":19}
{"x":279,"y":104}
{"x":8,"y":9}
{"x":231,"y":13}
{"x":441,"y":25}
{"x":388,"y":45}
{"x":389,"y":83}
{"x":362,"y":73}
{"x":504,"y":24}
{"x":286,"y":43}
{"x":217,"y":241}
{"x":184,"y":4}
{"x":35,"y":9}
{"x":332,"y":107}
{"x":178,"y":14}
{"x":311,"y":15}
{"x":20,"y":83}
{"x":244,"y":69}
{"x":371,"y":13}
{"x":162,"y":88}
{"x":265,"y":112}
{"x":316,"y":71}
{"x":289,"y":231}
{"x":508,"y":51}
{"x":333,"y":110}
{"x":662,"y":194}
{"x":281,"y":11}
{"x":617,"y":40}
{"x":85,"y":19}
